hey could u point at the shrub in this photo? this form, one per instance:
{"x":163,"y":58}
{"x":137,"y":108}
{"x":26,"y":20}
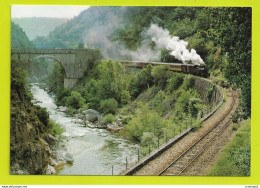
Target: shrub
{"x":210,"y":91}
{"x":188,"y":83}
{"x":125,"y":97}
{"x":18,"y":76}
{"x":91,"y":93}
{"x":157,"y":100}
{"x":182,"y":103}
{"x":75,"y":100}
{"x":126,"y":119}
{"x":148,"y":138}
{"x":62,"y":95}
{"x":71,"y":111}
{"x":109,"y":118}
{"x":161,"y":74}
{"x":195,"y":106}
{"x":234,"y":128}
{"x":145,"y":120}
{"x":143,"y":81}
{"x":56,"y":129}
{"x":108,"y":106}
{"x":175,"y":82}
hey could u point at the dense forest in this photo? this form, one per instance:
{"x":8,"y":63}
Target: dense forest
{"x":221,"y":36}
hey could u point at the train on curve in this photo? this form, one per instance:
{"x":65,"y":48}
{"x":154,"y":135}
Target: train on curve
{"x":198,"y":70}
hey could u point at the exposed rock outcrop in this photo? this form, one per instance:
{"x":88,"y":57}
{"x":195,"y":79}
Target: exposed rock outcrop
{"x":203,"y":87}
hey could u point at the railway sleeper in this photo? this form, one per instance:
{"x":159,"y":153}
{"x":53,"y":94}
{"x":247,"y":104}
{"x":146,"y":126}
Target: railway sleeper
{"x":182,"y":162}
{"x":187,"y":157}
{"x":178,"y":166}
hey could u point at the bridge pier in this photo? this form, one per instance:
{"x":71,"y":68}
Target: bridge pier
{"x":70,"y":82}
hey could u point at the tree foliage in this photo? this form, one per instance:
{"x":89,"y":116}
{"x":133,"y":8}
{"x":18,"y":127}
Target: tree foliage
{"x":145,"y":120}
{"x":109,"y":106}
{"x":141,"y":82}
{"x":75,"y":100}
{"x":19,"y":38}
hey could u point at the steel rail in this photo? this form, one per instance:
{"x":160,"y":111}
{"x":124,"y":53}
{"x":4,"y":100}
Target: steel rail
{"x":202,"y":137}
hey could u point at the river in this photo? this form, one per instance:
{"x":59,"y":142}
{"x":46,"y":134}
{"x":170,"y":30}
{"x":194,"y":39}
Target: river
{"x":95,"y":151}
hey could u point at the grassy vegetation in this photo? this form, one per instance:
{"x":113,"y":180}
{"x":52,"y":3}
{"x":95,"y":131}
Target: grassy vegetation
{"x":109,"y":118}
{"x":235,"y":160}
{"x":56,"y":128}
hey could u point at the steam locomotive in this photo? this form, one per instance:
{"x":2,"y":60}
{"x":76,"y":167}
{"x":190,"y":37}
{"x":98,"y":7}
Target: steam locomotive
{"x":198,"y":70}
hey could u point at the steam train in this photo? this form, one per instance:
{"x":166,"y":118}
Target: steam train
{"x":198,"y":70}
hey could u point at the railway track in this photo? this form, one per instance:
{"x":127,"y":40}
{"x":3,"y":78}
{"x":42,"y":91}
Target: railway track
{"x":184,"y":160}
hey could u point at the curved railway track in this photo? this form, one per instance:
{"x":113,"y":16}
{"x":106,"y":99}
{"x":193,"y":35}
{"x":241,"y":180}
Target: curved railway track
{"x":184,"y":160}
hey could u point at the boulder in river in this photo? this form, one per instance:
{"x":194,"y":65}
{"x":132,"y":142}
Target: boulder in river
{"x":101,"y":126}
{"x":63,"y":109}
{"x":52,"y":162}
{"x":69,"y":158}
{"x":114,"y":127}
{"x":59,"y":166}
{"x":50,"y":170}
{"x":92,"y":115}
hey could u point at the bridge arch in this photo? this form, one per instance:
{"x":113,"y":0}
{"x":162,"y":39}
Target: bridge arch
{"x":53,"y":58}
{"x":73,"y":61}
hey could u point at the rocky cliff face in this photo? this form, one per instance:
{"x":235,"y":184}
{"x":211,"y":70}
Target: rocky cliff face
{"x":30,"y":143}
{"x":209,"y":93}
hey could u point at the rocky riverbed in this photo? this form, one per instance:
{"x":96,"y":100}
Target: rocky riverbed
{"x":86,"y":147}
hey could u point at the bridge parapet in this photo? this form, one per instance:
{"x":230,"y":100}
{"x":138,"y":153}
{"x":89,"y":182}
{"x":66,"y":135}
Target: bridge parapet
{"x":42,"y":51}
{"x":74,"y":61}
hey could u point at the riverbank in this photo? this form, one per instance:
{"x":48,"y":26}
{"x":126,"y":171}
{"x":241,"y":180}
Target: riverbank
{"x":93,"y":150}
{"x":31,"y":142}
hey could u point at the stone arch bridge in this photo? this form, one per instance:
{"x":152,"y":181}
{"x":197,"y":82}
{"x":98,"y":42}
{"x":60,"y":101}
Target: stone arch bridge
{"x":74,"y":61}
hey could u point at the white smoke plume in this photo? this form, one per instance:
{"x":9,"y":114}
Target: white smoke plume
{"x":99,"y":37}
{"x":178,"y":47}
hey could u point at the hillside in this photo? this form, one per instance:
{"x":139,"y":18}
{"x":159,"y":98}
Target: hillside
{"x":37,"y":26}
{"x":30,"y":129}
{"x":220,"y":36}
{"x":19,"y":38}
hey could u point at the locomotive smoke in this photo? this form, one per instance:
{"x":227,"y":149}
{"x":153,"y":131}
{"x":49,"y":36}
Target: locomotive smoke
{"x":178,"y":47}
{"x":98,"y":37}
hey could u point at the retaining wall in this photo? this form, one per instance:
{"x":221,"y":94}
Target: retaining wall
{"x":202,"y":86}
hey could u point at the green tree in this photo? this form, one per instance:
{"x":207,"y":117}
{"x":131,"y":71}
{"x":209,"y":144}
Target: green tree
{"x":112,"y":79}
{"x":145,"y":120}
{"x":235,"y":29}
{"x":75,"y":100}
{"x":143,"y":81}
{"x":56,"y":78}
{"x":175,"y":82}
{"x":161,"y":74}
{"x":202,"y":20}
{"x":195,"y":106}
{"x":108,"y":106}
